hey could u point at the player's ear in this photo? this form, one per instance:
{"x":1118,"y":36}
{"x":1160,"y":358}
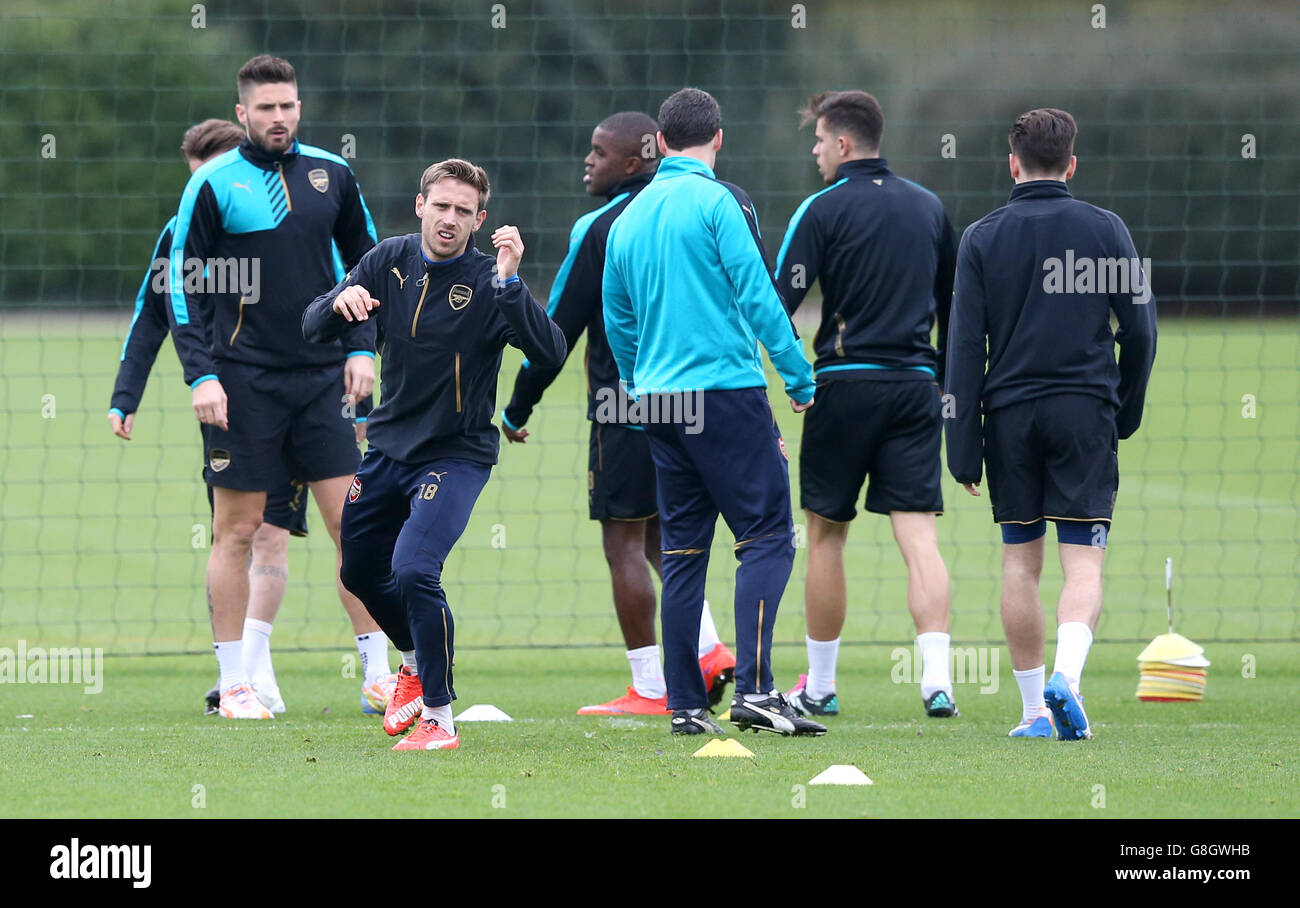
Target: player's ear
{"x":663,"y":146}
{"x":478,"y":221}
{"x":1069,"y":171}
{"x":717,"y":141}
{"x":1013,"y":165}
{"x":419,"y":205}
{"x":241,"y":114}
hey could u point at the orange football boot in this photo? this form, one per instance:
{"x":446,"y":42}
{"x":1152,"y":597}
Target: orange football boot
{"x":405,"y":704}
{"x":630,"y":704}
{"x":428,"y":735}
{"x":718,"y":666}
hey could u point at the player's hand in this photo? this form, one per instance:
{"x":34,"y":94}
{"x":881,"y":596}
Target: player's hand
{"x":209,"y":400}
{"x":358,"y":377}
{"x":355,"y":303}
{"x":513,"y":435}
{"x":121,"y":427}
{"x":798,"y":407}
{"x":510,"y":249}
{"x":360,"y":429}
{"x":972,"y":487}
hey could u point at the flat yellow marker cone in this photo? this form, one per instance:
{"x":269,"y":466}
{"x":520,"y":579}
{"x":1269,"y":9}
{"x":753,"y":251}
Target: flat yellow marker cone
{"x":1167,"y":647}
{"x":724,"y":747}
{"x":725,"y":717}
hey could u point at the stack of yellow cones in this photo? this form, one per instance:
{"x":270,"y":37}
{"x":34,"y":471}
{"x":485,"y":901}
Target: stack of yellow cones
{"x":1171,"y":669}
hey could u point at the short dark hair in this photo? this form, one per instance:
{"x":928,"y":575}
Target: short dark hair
{"x":1043,"y":139}
{"x":210,"y":138}
{"x":264,"y":70}
{"x":688,"y":118}
{"x":458,"y":169}
{"x":630,"y":129}
{"x":855,"y":112}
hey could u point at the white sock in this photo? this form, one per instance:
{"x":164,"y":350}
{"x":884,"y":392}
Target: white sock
{"x":821,"y":667}
{"x":230,"y":659}
{"x":408,"y":659}
{"x":1073,"y":639}
{"x":441,"y":715}
{"x":754,"y":698}
{"x":935,"y":672}
{"x":257,"y":650}
{"x":1030,"y":682}
{"x":708,"y":632}
{"x":648,"y":672}
{"x":374,"y":655}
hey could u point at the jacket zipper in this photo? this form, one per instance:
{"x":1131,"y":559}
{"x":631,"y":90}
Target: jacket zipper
{"x":420,"y":305}
{"x":239,"y":323}
{"x":285,"y":186}
{"x":457,"y":382}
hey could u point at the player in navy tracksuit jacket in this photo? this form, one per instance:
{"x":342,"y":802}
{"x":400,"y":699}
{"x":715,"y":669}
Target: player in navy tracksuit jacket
{"x":883,"y":250}
{"x":443,"y":313}
{"x":257,"y":235}
{"x":621,"y":487}
{"x":1031,"y":352}
{"x":286,"y":505}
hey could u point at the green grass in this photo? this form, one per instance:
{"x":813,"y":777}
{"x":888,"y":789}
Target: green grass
{"x":103,"y":541}
{"x":139,"y":748}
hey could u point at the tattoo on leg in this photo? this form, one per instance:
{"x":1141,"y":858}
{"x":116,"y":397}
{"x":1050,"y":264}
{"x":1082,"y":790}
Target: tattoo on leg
{"x":269,"y":570}
{"x":210,"y":609}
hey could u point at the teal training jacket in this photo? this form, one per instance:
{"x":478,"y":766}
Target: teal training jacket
{"x":688,"y":295}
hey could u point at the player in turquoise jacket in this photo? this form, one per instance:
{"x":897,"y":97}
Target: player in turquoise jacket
{"x":708,"y":339}
{"x":688,"y":298}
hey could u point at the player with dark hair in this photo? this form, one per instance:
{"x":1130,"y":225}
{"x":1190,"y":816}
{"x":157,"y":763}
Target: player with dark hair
{"x":447,"y":312}
{"x":286,"y":506}
{"x":1041,"y":371}
{"x":282,"y":214}
{"x":620,"y":473}
{"x":688,"y":299}
{"x":883,"y":249}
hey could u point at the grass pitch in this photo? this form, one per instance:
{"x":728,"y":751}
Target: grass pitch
{"x":103,"y":544}
{"x":141,"y":748}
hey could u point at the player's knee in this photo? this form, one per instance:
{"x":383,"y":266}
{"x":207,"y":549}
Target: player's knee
{"x":236,"y":532}
{"x":775,"y":547}
{"x":270,"y":543}
{"x":417,"y":575}
{"x":624,"y":544}
{"x":357,"y":577}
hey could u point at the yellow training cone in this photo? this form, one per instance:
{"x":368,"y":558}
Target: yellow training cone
{"x":724,"y":747}
{"x":1168,"y":647}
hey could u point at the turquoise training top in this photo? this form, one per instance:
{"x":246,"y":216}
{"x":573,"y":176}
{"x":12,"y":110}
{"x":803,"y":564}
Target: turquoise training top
{"x":688,"y":295}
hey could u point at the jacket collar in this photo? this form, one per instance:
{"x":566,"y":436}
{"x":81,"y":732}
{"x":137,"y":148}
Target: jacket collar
{"x":863,"y":167}
{"x":1040,"y":189}
{"x":256,"y":154}
{"x":631,"y":184}
{"x":679,"y":164}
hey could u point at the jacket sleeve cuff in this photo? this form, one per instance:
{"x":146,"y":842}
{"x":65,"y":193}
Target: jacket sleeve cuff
{"x":510,"y":425}
{"x":120,"y":414}
{"x":369,"y":353}
{"x":202,"y":378}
